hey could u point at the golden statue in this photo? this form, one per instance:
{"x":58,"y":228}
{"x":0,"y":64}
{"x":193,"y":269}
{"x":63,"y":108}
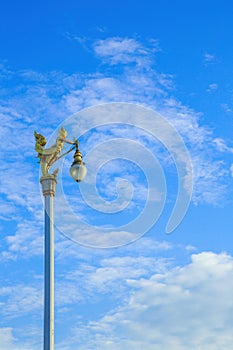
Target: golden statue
{"x":48,"y":156}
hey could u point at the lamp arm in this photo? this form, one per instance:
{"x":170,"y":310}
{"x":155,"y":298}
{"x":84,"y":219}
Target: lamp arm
{"x":74,"y":142}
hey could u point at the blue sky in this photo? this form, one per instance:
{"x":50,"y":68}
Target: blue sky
{"x":140,"y":84}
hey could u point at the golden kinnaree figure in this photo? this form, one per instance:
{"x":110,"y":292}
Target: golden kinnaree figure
{"x":48,"y":156}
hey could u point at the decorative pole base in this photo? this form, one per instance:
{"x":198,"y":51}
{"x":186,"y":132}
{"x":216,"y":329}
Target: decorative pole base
{"x":48,"y":183}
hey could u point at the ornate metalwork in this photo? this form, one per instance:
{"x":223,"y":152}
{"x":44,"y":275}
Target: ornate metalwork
{"x":48,"y":156}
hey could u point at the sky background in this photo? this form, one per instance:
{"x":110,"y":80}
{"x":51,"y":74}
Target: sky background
{"x":162,"y":291}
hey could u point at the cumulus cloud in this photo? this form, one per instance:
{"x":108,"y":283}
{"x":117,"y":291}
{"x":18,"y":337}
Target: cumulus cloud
{"x":184,"y":307}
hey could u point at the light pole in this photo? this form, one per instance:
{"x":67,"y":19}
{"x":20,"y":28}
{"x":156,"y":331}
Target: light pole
{"x":48,"y":156}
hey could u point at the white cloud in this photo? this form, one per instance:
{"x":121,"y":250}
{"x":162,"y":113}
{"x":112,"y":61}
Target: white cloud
{"x":181,"y":308}
{"x":26,"y":241}
{"x":44,"y":100}
{"x":66,"y":249}
{"x":209,"y":58}
{"x":163,"y":304}
{"x":6,"y":338}
{"x":209,"y":189}
{"x":9,"y":341}
{"x":226,"y":108}
{"x":149,"y":88}
{"x":98,"y":272}
{"x":18,"y":300}
{"x":222,"y":146}
{"x":118,"y":50}
{"x":111,"y":273}
{"x":212,"y":87}
{"x":231,"y":169}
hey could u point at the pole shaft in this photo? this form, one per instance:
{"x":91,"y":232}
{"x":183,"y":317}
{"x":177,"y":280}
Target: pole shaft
{"x":48,"y":188}
{"x":49,"y":276}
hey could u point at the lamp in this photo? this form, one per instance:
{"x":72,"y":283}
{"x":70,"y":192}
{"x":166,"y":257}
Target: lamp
{"x":78,"y":169}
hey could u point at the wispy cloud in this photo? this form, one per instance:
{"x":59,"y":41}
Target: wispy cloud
{"x":117,"y":50}
{"x":226,"y":108}
{"x":231,"y":169}
{"x":209,"y":58}
{"x":42,"y":102}
{"x":53,"y":96}
{"x":222,"y":145}
{"x":134,"y":85}
{"x":212,"y":87}
{"x":20,"y":299}
{"x":10,"y":341}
